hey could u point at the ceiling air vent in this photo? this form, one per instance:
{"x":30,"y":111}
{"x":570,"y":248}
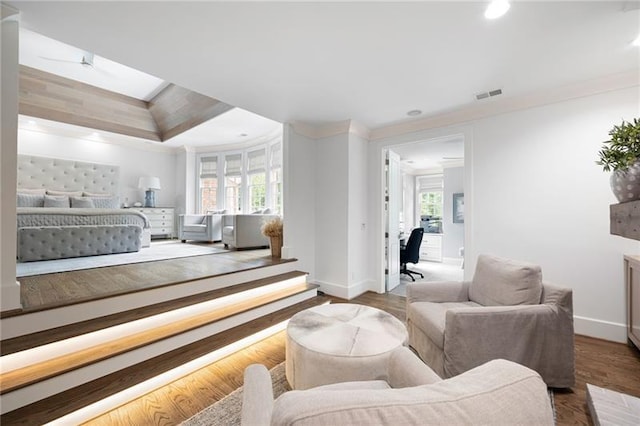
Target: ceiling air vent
{"x":485,"y":95}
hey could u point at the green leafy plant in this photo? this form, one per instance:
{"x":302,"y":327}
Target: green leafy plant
{"x":623,"y":149}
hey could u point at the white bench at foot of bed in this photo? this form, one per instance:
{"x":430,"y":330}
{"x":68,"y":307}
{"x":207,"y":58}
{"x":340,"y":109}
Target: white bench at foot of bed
{"x":59,"y":242}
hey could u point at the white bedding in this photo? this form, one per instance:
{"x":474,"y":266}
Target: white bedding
{"x":52,"y":216}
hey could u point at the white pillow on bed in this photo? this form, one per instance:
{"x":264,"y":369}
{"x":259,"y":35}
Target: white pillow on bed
{"x":56,"y":201}
{"x":39,"y":191}
{"x":29,"y":200}
{"x":82,"y":203}
{"x":67,"y":193}
{"x":106,"y":202}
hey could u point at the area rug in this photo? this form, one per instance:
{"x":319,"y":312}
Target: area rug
{"x":160,"y":250}
{"x":226,"y":412}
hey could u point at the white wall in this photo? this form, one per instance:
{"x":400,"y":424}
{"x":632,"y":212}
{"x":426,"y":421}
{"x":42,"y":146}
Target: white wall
{"x":9,"y":289}
{"x":533,"y":192}
{"x":409,"y":185}
{"x":331,"y":190}
{"x":299,"y":209}
{"x":453,"y":233}
{"x":134,"y":162}
{"x":359,"y":263}
{"x":540,"y":197}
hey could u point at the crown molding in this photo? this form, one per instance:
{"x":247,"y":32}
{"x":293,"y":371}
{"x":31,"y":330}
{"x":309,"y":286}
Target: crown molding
{"x":596,"y":86}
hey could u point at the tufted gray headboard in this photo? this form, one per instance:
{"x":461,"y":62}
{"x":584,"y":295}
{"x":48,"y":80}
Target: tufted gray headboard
{"x":66,"y":175}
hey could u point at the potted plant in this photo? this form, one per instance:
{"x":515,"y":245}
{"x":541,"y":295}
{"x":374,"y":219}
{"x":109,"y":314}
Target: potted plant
{"x":273,"y":229}
{"x":621,"y":154}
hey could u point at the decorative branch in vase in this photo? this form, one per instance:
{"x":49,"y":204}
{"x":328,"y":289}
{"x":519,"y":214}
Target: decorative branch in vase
{"x":621,"y":154}
{"x":273,"y":229}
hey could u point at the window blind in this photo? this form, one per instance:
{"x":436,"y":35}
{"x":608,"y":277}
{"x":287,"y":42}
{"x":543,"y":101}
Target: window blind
{"x":256,"y":162}
{"x":430,"y":183}
{"x":208,"y":167}
{"x":233,"y":165}
{"x":276,"y":155}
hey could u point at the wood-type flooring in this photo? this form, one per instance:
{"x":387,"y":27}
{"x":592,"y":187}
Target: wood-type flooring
{"x":64,"y":288}
{"x":610,"y":365}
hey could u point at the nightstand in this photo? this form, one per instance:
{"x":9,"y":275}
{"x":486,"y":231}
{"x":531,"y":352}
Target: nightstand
{"x":161,"y":220}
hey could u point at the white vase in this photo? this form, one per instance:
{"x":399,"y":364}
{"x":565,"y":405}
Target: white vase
{"x":626,"y":184}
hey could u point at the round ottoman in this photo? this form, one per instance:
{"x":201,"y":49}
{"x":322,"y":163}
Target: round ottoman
{"x":340,"y":342}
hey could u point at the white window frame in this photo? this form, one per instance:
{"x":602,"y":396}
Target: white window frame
{"x":244,"y":198}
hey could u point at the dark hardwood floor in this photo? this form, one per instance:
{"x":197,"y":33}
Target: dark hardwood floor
{"x":611,"y":365}
{"x":63,"y":288}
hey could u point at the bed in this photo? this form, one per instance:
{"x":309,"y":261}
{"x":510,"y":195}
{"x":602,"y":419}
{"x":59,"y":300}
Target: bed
{"x":71,"y":209}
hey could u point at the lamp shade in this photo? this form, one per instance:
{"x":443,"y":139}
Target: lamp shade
{"x":149,"y":182}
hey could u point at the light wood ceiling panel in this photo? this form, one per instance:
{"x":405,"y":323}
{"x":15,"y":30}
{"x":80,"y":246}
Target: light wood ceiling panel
{"x":176,"y":109}
{"x":51,"y":97}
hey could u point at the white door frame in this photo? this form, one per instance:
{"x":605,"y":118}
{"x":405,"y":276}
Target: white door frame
{"x":377,"y":203}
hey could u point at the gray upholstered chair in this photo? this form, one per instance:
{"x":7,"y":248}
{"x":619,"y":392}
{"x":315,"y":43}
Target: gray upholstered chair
{"x":504,"y":312}
{"x":200,"y":227}
{"x":499,"y":392}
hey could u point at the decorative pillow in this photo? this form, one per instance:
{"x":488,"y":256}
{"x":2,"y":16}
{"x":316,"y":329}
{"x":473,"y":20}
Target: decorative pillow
{"x":504,"y":282}
{"x":257,"y":212}
{"x":82,"y":203}
{"x":39,"y":191}
{"x":223,"y":211}
{"x":67,"y":193}
{"x":96,"y":194}
{"x":30,"y":200}
{"x":56,"y":201}
{"x":106,"y":202}
{"x":266,"y":211}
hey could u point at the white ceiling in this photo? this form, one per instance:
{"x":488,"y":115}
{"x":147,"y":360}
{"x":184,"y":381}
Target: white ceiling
{"x":367,"y":61}
{"x":433,"y":155}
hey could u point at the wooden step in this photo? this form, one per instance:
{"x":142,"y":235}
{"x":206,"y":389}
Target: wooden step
{"x":73,"y":399}
{"x":21,"y":343}
{"x":34,"y":321}
{"x":52,"y":366}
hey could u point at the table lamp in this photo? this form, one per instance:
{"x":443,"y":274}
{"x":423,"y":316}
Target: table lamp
{"x":149,"y":184}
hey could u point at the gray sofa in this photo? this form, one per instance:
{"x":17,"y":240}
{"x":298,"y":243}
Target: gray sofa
{"x":504,"y":312}
{"x":410,"y":393}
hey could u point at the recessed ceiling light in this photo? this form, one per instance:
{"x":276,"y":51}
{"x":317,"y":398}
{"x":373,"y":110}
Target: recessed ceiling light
{"x":243,"y":134}
{"x":496,"y":9}
{"x":32,"y":122}
{"x":414,"y":112}
{"x":636,"y":42}
{"x":95,"y":134}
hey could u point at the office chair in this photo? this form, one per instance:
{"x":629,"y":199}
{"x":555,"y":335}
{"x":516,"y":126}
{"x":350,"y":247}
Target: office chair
{"x":411,"y":252}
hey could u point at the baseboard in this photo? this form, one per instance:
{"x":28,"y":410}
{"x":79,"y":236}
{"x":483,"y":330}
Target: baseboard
{"x":339,"y":290}
{"x":605,"y":330}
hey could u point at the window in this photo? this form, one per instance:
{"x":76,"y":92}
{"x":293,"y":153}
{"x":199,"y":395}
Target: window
{"x":240,"y":181}
{"x":208,"y":183}
{"x":431,"y":204}
{"x":275,"y":177}
{"x":256,"y":177}
{"x":233,"y":182}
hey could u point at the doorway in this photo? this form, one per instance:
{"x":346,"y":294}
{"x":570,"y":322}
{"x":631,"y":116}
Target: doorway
{"x":432,"y":175}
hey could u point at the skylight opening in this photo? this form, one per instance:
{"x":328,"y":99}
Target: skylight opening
{"x":496,"y":9}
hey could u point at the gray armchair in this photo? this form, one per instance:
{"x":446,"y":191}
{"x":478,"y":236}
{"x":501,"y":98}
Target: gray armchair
{"x":200,"y":227}
{"x":410,"y":393}
{"x":504,"y":312}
